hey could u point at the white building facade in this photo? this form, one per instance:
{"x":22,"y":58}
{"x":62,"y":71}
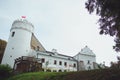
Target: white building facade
{"x":86,"y":59}
{"x":22,"y":42}
{"x":57,"y":62}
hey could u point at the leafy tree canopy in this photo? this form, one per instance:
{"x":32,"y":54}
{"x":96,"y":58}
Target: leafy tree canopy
{"x":109,"y":21}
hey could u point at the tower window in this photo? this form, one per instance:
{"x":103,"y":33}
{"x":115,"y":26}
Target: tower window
{"x":13,"y":33}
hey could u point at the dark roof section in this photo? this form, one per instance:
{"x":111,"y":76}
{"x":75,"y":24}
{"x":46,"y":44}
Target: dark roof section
{"x":35,"y":43}
{"x":69,"y":57}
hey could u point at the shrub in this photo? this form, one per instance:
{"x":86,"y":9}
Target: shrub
{"x":5,"y":71}
{"x":115,"y":65}
{"x":54,"y":71}
{"x":48,"y":70}
{"x":42,"y":69}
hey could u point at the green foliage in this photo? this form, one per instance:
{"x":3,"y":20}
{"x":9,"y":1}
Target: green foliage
{"x":99,"y":66}
{"x":42,"y":69}
{"x":54,"y":71}
{"x":48,"y":70}
{"x":115,"y":65}
{"x":109,"y":21}
{"x":5,"y":71}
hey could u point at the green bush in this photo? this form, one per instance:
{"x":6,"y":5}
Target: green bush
{"x":5,"y":71}
{"x":54,"y":71}
{"x":48,"y":70}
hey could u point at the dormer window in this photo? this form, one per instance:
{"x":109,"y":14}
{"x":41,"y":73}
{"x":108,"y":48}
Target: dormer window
{"x":13,"y":33}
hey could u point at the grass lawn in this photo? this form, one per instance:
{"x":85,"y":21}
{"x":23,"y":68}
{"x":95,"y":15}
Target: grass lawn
{"x":102,"y":74}
{"x":39,"y":76}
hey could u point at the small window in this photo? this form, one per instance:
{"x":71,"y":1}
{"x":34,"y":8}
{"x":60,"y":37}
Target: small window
{"x":88,"y":62}
{"x":42,"y":60}
{"x":55,"y":62}
{"x":74,"y":65}
{"x":13,"y":33}
{"x":89,"y":68}
{"x":60,"y":63}
{"x":65,"y":64}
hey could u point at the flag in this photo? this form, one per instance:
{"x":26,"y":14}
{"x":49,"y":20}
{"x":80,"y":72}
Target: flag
{"x":23,"y":16}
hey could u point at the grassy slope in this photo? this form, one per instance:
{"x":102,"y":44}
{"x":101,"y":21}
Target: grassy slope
{"x":106,"y":74}
{"x":37,"y":76}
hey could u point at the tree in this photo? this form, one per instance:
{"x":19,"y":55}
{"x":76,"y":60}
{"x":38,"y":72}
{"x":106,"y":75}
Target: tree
{"x":2,"y":48}
{"x":109,"y":21}
{"x":46,"y":64}
{"x":5,"y":71}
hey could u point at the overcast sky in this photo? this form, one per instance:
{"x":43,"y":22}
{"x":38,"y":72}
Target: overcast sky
{"x":61,"y":24}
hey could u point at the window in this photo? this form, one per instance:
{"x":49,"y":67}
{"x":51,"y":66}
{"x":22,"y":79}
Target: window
{"x":94,"y":65}
{"x":60,"y":70}
{"x":74,"y":65}
{"x":88,"y":62}
{"x":89,"y":68}
{"x":42,"y":60}
{"x":60,"y":63}
{"x":55,"y":62}
{"x":65,"y":64}
{"x":13,"y":33}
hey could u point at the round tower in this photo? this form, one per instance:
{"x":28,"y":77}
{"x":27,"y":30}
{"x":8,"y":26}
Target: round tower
{"x":19,"y":41}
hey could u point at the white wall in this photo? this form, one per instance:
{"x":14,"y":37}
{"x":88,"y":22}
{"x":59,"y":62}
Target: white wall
{"x":58,"y":67}
{"x":85,"y":59}
{"x":19,"y":44}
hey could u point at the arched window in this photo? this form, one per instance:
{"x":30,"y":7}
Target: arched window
{"x":13,"y":33}
{"x":74,"y":65}
{"x":55,"y":62}
{"x":65,"y":63}
{"x":60,"y":70}
{"x":60,"y":62}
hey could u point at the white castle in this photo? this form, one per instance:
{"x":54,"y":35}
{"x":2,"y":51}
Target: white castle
{"x":22,"y":42}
